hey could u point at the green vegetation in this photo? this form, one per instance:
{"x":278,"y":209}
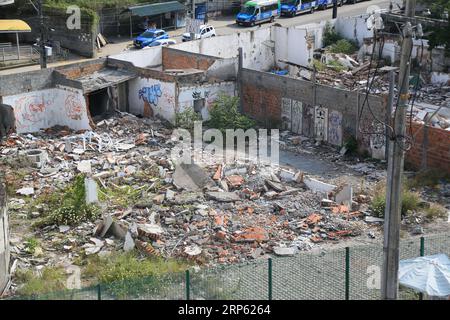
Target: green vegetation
{"x":435,"y":211}
{"x":123,"y":196}
{"x":69,"y":207}
{"x":31,"y":244}
{"x":336,"y":65}
{"x":330,"y":36}
{"x":126,"y":274}
{"x":187,"y":118}
{"x":344,"y":46}
{"x":225,"y":115}
{"x":410,"y":200}
{"x":319,"y":66}
{"x":50,"y":280}
{"x":439,"y":34}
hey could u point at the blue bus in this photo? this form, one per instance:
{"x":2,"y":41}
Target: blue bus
{"x":324,"y":4}
{"x":258,"y":11}
{"x":291,"y":8}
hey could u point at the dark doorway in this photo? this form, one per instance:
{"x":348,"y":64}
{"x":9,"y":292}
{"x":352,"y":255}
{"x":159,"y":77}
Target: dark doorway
{"x":98,"y":104}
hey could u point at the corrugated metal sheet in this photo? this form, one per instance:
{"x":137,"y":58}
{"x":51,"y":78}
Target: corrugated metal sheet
{"x":156,"y":8}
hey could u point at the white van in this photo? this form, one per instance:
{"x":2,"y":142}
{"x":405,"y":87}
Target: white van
{"x":205,"y":31}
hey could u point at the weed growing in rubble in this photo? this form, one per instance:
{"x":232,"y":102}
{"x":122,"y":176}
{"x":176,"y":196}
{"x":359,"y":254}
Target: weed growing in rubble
{"x":123,"y":196}
{"x":71,"y":207}
{"x":330,"y":36}
{"x":49,"y":280}
{"x":126,"y":274}
{"x":225,"y":115}
{"x":31,"y":244}
{"x":436,"y":211}
{"x":187,"y":118}
{"x":343,"y":46}
{"x":336,"y":66}
{"x":410,"y":200}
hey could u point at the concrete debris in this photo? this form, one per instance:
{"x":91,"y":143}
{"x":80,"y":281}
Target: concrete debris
{"x":27,"y":191}
{"x":212,"y":213}
{"x":223,"y":196}
{"x":279,"y":251}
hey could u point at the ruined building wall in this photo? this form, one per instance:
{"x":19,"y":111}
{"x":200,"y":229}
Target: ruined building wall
{"x":49,"y":107}
{"x":431,"y":148}
{"x":177,"y":59}
{"x":325,"y":113}
{"x":4,"y":240}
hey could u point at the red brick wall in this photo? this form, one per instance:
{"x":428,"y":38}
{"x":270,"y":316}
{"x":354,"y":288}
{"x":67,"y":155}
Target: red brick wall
{"x":177,"y":59}
{"x":260,"y":104}
{"x":437,"y":150}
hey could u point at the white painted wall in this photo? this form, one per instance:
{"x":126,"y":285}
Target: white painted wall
{"x":258,"y":48}
{"x":353,"y":28}
{"x":147,"y":57}
{"x":297,"y":44}
{"x":158,"y":94}
{"x":209,"y":92}
{"x":47,"y":108}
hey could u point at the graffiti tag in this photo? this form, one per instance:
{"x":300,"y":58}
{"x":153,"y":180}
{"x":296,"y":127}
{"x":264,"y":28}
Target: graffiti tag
{"x":151,"y":94}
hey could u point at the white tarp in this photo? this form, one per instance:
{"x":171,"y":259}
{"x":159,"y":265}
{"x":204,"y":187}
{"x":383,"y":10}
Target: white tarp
{"x":430,"y":275}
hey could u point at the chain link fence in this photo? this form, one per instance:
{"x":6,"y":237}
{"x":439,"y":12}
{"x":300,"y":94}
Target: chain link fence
{"x":352,"y":273}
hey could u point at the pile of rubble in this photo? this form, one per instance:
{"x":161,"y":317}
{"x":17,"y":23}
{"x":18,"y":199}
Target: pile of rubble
{"x":215,"y":213}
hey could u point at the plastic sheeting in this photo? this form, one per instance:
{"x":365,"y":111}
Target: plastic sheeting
{"x":430,"y":274}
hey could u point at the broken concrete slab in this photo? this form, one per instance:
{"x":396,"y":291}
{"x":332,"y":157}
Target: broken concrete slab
{"x":129,"y":243}
{"x":276,"y":186}
{"x":193,"y":250}
{"x":223,"y":196}
{"x":85,"y":166}
{"x":318,"y":186}
{"x":285,"y":252}
{"x":27,"y":191}
{"x":344,"y":195}
{"x":91,"y":191}
{"x":190,"y":177}
{"x":152,"y":231}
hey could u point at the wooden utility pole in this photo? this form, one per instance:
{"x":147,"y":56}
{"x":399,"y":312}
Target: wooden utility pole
{"x":397,"y":146}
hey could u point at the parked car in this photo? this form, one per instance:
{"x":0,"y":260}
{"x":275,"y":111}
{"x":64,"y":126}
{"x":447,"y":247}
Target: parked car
{"x":149,"y":36}
{"x":206,"y":31}
{"x":162,"y":42}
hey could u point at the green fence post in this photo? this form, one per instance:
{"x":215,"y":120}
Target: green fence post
{"x":422,"y":253}
{"x":347,"y":273}
{"x":188,"y":285}
{"x":270,"y":277}
{"x":99,"y":292}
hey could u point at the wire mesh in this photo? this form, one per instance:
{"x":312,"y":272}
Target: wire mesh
{"x":305,"y":276}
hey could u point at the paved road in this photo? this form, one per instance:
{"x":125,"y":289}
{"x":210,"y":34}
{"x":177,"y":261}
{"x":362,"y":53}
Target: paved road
{"x":227,"y":25}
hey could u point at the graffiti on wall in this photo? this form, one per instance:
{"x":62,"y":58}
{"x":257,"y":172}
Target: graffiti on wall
{"x":292,"y":115}
{"x":378,"y":141}
{"x":30,"y":109}
{"x":151,"y":94}
{"x":335,"y":128}
{"x":74,"y":107}
{"x":321,"y":123}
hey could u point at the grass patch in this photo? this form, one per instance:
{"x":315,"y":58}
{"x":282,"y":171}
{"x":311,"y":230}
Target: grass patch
{"x":319,"y":66}
{"x":436,"y":211}
{"x":410,"y":200}
{"x":126,"y":274}
{"x":50,"y":280}
{"x":123,"y":196}
{"x":69,"y":207}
